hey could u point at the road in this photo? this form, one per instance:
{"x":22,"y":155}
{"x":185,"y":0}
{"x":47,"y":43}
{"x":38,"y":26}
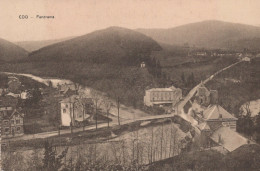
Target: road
{"x":128,"y":114}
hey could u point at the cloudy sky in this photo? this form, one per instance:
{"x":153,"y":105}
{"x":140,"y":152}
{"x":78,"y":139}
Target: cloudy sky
{"x":77,"y":17}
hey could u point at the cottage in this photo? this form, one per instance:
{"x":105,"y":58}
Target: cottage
{"x":25,"y":95}
{"x":247,"y":59}
{"x":143,"y":65}
{"x":229,"y":139}
{"x":64,"y":88}
{"x":216,"y":116}
{"x":75,"y":110}
{"x":11,"y":122}
{"x":162,"y":96}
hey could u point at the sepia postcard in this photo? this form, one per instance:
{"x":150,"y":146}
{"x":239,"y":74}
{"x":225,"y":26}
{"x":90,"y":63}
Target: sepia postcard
{"x":129,"y":85}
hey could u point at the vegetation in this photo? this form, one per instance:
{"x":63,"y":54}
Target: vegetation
{"x":208,"y":34}
{"x":11,"y":52}
{"x":237,"y":85}
{"x":244,"y":158}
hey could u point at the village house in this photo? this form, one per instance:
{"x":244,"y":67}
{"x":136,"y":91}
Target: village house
{"x":11,"y":122}
{"x":162,"y":96}
{"x":143,"y":65}
{"x":201,"y":53}
{"x":74,"y":110}
{"x":24,"y":95}
{"x":216,"y":116}
{"x":247,"y":59}
{"x":228,"y":138}
{"x":67,"y":89}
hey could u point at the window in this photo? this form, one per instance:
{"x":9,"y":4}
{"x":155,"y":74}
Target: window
{"x":6,"y":122}
{"x":18,"y":129}
{"x":12,"y":121}
{"x":6,"y":130}
{"x":64,"y":110}
{"x":17,"y":121}
{"x":67,"y":106}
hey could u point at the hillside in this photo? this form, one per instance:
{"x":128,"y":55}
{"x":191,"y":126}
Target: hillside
{"x":237,"y":85}
{"x":35,"y":45}
{"x":208,"y":34}
{"x":10,"y":51}
{"x":114,"y":45}
{"x":107,"y":60}
{"x":244,"y":158}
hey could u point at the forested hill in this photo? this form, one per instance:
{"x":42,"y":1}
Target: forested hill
{"x":208,"y":34}
{"x":10,"y":51}
{"x":113,"y":45}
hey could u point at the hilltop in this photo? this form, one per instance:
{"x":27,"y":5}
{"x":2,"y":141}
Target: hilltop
{"x":10,"y":51}
{"x":35,"y":45}
{"x":107,"y":60}
{"x":113,"y":45}
{"x":208,"y":34}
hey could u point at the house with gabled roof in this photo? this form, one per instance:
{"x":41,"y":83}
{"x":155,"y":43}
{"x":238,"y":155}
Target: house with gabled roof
{"x":11,"y":122}
{"x":228,"y":138}
{"x":75,"y":110}
{"x":216,"y":116}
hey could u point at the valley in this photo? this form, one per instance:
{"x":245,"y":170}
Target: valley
{"x":86,"y":96}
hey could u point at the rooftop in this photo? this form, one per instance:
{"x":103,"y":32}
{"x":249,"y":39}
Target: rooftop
{"x":75,"y":98}
{"x":216,"y":112}
{"x":230,"y":139}
{"x":172,"y":88}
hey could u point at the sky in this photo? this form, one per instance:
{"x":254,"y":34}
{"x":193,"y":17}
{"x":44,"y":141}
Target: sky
{"x":78,"y":17}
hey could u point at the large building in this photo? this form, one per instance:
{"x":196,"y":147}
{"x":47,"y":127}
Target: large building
{"x":216,"y":116}
{"x":11,"y":122}
{"x":162,"y":96}
{"x":75,"y":110}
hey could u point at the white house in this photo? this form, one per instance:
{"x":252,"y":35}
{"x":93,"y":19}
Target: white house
{"x":75,"y":109}
{"x":247,"y":59}
{"x":24,"y":95}
{"x":143,"y":65}
{"x":159,"y":96}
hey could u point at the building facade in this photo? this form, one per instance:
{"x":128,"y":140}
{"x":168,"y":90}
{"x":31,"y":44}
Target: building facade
{"x":160,"y":96}
{"x":11,"y":122}
{"x":216,"y":116}
{"x":75,"y":110}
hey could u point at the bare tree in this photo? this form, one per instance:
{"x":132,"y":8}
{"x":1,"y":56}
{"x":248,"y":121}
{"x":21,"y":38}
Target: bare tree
{"x":107,"y":107}
{"x":97,"y":98}
{"x":118,"y":107}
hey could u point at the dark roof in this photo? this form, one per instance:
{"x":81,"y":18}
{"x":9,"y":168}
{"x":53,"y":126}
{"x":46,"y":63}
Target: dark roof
{"x":8,"y":114}
{"x":75,"y":98}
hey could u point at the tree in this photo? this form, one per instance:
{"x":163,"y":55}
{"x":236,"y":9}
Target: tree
{"x":183,"y":78}
{"x":51,"y":160}
{"x":97,"y":98}
{"x":107,"y":106}
{"x":118,"y":107}
{"x":3,"y":81}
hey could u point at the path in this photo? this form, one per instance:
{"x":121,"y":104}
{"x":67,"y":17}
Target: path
{"x":127,"y":114}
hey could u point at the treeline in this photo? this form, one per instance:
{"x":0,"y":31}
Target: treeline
{"x":249,"y":126}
